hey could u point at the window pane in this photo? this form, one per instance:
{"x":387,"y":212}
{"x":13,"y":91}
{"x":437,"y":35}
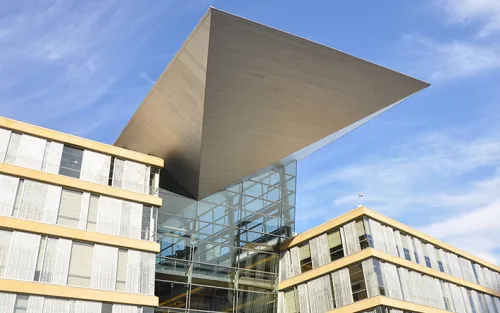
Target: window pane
{"x":107,"y":308}
{"x":335,"y":245}
{"x":360,"y":227}
{"x":71,"y":162}
{"x":334,"y":239}
{"x":21,"y":304}
{"x":358,"y":284}
{"x":211,"y":298}
{"x":70,"y":207}
{"x":173,"y":295}
{"x":249,"y":302}
{"x":407,"y":254}
{"x":92,"y":217}
{"x":441,"y":267}
{"x":305,"y":258}
{"x":121,"y":275}
{"x":80,"y":266}
{"x":428,"y":262}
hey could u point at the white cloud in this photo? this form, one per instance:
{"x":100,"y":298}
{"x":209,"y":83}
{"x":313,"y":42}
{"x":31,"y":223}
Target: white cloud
{"x":440,"y":61}
{"x":74,"y":65}
{"x":475,"y":231}
{"x":484,"y":12}
{"x":449,"y":178}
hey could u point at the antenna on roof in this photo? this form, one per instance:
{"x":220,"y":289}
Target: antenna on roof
{"x":360,"y":195}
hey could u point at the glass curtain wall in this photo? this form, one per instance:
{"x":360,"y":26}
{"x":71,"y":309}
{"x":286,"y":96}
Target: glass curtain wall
{"x":220,"y":254}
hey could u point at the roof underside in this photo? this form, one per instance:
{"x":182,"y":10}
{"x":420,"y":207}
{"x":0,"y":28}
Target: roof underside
{"x":240,"y":97}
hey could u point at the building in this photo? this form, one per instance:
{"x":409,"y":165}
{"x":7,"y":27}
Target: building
{"x":77,"y":224}
{"x":232,"y":113}
{"x":203,"y":176}
{"x":363,"y":261}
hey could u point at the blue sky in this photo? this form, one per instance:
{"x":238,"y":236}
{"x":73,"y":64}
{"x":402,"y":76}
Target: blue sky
{"x":432,"y":162}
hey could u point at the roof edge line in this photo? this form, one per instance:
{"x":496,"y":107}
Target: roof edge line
{"x":184,"y":44}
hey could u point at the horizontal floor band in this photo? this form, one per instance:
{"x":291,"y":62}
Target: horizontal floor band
{"x":79,"y":142}
{"x":323,"y":228}
{"x":326,"y":269}
{"x":362,"y":211}
{"x":79,"y":293}
{"x":369,"y":253}
{"x":77,"y":234}
{"x":79,"y":184}
{"x":374,"y":302}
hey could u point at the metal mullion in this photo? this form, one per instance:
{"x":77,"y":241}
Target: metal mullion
{"x":245,"y":249}
{"x":204,"y":201}
{"x":243,"y":230}
{"x":234,"y":227}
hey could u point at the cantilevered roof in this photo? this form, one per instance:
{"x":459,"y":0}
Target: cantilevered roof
{"x":239,"y":97}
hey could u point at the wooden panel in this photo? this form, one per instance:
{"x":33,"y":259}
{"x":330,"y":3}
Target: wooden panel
{"x":78,"y":184}
{"x":79,"y":142}
{"x":39,"y":289}
{"x":77,"y":234}
{"x":239,"y":97}
{"x":270,"y":94}
{"x":168,"y":123}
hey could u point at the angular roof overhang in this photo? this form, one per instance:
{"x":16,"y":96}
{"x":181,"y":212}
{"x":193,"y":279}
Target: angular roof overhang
{"x":240,"y":97}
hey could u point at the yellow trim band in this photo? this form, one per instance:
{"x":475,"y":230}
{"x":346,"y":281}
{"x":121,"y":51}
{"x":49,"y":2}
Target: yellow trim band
{"x":374,"y":302}
{"x":323,"y":228}
{"x":79,"y":142}
{"x":82,"y":185}
{"x":379,"y":217}
{"x":77,"y":234}
{"x":326,"y":269}
{"x":362,"y":211}
{"x":370,"y":252}
{"x":48,"y":290}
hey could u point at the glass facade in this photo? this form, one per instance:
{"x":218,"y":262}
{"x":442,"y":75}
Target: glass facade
{"x":220,"y":254}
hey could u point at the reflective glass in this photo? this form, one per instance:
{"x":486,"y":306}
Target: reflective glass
{"x":173,"y":224}
{"x":249,"y":302}
{"x":251,"y":277}
{"x":71,"y":162}
{"x":169,"y":265}
{"x":177,"y":205}
{"x":211,"y":298}
{"x":176,"y":247}
{"x":205,"y":271}
{"x":171,"y":294}
{"x":220,"y":253}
